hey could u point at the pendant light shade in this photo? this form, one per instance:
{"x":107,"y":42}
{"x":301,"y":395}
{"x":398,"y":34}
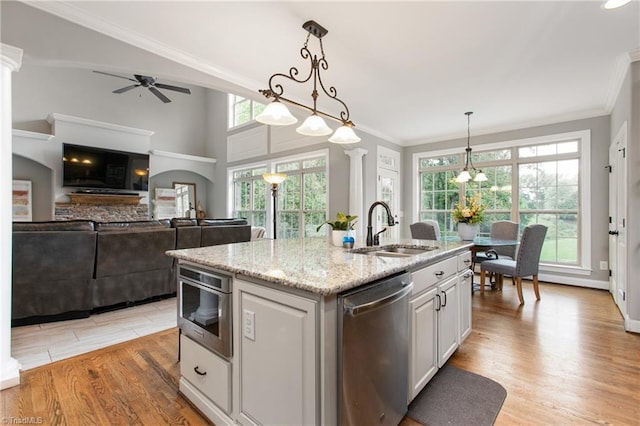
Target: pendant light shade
{"x":344,"y":135}
{"x":464,"y":175}
{"x":276,"y":114}
{"x":481,"y":177}
{"x":314,"y":125}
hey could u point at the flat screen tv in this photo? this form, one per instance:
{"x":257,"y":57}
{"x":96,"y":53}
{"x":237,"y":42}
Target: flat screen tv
{"x":104,"y":169}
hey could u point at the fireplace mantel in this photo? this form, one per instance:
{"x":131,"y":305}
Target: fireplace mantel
{"x":104,"y":199}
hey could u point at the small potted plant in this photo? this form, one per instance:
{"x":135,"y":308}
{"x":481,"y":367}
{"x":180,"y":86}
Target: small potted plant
{"x":339,"y":227}
{"x":468,"y":217}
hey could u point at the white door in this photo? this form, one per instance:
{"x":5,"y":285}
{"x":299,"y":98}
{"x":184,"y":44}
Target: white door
{"x":617,"y":226}
{"x":388,"y":191}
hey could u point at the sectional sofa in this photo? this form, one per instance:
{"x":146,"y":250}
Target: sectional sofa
{"x":70,"y":269}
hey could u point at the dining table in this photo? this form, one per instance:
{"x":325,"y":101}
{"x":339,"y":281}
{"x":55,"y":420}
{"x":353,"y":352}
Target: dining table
{"x":486,"y":244}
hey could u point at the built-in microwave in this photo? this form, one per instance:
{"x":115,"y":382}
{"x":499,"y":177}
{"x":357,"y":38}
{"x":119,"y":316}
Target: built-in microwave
{"x":204,"y":308}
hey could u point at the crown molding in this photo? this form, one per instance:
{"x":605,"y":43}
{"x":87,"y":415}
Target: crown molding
{"x":11,"y":57}
{"x":53,"y":117}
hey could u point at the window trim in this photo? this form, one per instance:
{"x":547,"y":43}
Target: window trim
{"x":231,"y":112}
{"x":584,"y":266}
{"x":271,"y":165}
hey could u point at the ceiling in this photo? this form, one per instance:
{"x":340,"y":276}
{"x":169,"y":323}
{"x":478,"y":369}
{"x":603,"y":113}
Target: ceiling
{"x":408,"y":71}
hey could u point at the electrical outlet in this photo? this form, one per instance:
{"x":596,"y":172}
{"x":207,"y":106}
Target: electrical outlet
{"x":604,"y":265}
{"x":248,"y":326}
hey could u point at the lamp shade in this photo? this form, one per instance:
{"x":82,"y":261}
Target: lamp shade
{"x":481,"y":177}
{"x":274,"y":178}
{"x":314,"y":125}
{"x":344,"y":135}
{"x":276,"y":114}
{"x":464,"y":176}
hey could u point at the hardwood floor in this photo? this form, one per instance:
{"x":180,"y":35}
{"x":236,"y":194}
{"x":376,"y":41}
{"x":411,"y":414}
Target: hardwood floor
{"x":563,"y":360}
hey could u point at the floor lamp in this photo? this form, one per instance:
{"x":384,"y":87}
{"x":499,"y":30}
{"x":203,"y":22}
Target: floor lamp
{"x":274,"y":179}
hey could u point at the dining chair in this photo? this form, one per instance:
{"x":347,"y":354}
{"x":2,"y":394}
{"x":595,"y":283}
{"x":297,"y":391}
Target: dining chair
{"x":425,"y":230}
{"x":501,"y":230}
{"x":526,"y":264}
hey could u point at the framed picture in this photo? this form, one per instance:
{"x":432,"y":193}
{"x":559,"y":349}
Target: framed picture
{"x":22,"y":208}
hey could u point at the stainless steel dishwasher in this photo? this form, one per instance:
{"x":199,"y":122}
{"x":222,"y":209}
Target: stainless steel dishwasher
{"x":373,"y":353}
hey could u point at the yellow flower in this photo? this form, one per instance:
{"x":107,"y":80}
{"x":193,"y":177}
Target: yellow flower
{"x":472,"y":211}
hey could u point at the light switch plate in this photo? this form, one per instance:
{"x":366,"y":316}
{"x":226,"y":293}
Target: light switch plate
{"x":604,"y":265}
{"x":248,"y":324}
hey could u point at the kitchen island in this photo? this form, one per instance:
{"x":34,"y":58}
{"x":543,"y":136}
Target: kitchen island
{"x":283,"y":366}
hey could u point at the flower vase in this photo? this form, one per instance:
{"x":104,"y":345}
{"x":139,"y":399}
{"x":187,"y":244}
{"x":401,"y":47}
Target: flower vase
{"x":336,"y":237}
{"x":467,"y":231}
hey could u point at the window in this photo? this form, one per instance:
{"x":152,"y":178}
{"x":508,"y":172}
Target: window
{"x":250,"y":195}
{"x":242,"y":110}
{"x":302,"y":197}
{"x":540,"y":180}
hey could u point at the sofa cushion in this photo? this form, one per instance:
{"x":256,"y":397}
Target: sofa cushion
{"x":122,"y":251}
{"x":222,"y":222}
{"x":58,"y":225}
{"x":135,"y":225}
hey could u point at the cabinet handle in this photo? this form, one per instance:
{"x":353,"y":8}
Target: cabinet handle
{"x":198,"y":372}
{"x":439,"y":302}
{"x":439,"y":274}
{"x":466,"y":261}
{"x":445,"y":299}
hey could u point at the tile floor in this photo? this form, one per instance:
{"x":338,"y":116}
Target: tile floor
{"x":40,"y":344}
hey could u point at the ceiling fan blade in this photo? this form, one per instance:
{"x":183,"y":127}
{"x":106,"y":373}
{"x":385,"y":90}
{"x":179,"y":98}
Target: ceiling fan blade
{"x":115,"y":75}
{"x":175,"y":88}
{"x":160,"y":96}
{"x":126,"y":89}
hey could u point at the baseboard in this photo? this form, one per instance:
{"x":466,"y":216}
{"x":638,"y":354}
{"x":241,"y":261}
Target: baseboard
{"x":574,"y":281}
{"x":9,"y":374}
{"x":203,"y":404}
{"x":631,"y":325}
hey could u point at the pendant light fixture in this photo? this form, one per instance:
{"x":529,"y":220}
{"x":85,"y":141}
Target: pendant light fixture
{"x":465,"y":174}
{"x":277,"y":114}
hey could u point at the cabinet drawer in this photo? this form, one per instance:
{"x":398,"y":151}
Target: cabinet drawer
{"x":214,"y":380}
{"x":464,"y":261}
{"x":433,"y":274}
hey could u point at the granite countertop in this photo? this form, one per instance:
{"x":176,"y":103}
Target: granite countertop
{"x":313,"y":264}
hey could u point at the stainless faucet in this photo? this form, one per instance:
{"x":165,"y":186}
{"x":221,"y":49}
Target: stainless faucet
{"x":370,"y":238}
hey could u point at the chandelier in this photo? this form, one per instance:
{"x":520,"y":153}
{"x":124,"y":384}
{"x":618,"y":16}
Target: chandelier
{"x":277,"y":114}
{"x":464,"y":175}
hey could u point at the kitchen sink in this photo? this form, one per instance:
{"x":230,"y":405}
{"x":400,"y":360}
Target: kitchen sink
{"x":393,"y":251}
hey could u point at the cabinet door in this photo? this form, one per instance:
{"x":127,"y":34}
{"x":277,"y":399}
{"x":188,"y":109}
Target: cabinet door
{"x":278,"y":356}
{"x":447,"y":320}
{"x":464,"y":294}
{"x":423,"y":353}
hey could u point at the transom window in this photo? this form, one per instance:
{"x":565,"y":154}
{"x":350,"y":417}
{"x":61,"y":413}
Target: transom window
{"x":529,"y":181}
{"x":242,"y":110}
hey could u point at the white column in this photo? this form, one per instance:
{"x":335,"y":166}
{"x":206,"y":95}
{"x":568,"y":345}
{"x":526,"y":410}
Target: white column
{"x":356,"y":188}
{"x":11,"y":60}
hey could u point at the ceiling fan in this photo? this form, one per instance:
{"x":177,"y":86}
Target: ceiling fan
{"x":150,"y":83}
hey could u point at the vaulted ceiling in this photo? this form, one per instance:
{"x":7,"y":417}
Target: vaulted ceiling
{"x":407,"y":70}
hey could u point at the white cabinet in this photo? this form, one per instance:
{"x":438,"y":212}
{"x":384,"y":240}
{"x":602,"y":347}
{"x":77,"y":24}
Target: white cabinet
{"x":276,"y":346}
{"x":423,"y":353}
{"x":207,"y":372}
{"x":465,"y":284}
{"x":440,"y":309}
{"x":447,"y":308}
